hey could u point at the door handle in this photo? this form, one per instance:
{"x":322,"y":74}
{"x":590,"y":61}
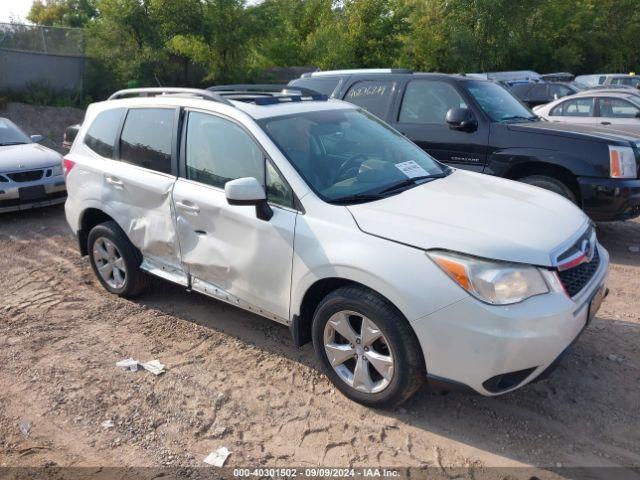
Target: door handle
{"x":116,"y":182}
{"x":605,"y":123}
{"x":189,"y":207}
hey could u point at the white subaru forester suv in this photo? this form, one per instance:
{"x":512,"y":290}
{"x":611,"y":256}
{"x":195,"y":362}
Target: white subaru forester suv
{"x":317,"y":215}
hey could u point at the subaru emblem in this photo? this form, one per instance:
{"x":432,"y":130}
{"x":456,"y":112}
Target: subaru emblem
{"x":586,"y":249}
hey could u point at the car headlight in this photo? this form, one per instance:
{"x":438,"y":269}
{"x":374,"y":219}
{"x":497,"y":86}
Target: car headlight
{"x":622,"y":162}
{"x":57,"y":170}
{"x":498,"y":283}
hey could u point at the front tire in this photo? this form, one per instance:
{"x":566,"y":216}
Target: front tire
{"x":115,"y":261}
{"x":367,"y":348}
{"x":552,"y":184}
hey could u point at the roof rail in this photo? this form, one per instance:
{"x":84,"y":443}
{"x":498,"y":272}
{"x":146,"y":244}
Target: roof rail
{"x":264,"y":88}
{"x":357,"y":71}
{"x":156,"y":91}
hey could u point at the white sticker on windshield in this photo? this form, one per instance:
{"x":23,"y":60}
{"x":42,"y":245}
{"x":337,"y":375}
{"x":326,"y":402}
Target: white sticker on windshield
{"x":411,"y":169}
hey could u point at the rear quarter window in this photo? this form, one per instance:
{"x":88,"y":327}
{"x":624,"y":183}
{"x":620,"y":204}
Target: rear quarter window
{"x":101,"y":136}
{"x":372,"y":95}
{"x":325,"y":86}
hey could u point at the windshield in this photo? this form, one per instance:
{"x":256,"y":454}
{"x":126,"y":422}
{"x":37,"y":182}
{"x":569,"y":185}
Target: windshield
{"x":346,"y":154}
{"x":497,"y":102}
{"x":10,"y":134}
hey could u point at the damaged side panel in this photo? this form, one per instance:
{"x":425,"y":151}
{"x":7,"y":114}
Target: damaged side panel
{"x":140,"y":201}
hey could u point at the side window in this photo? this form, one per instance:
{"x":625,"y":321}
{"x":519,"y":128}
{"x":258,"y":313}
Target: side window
{"x":559,"y":91}
{"x":101,"y":136}
{"x":539,"y":91}
{"x":146,"y":138}
{"x":373,"y":96}
{"x":581,"y":107}
{"x":428,"y":102}
{"x":278,"y":191}
{"x":326,"y":86}
{"x":218,"y":150}
{"x":617,"y":108}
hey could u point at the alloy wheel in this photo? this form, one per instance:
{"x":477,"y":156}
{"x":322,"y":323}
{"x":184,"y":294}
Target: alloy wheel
{"x":358,"y":351}
{"x":109,"y":262}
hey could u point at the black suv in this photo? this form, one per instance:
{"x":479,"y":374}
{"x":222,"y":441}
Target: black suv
{"x":479,"y":125}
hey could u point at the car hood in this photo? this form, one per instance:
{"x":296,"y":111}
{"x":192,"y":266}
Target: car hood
{"x":27,"y":157}
{"x":478,"y":215}
{"x":584,"y":132}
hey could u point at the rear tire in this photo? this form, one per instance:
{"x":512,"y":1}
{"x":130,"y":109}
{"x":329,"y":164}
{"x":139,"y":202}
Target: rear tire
{"x":552,"y":184}
{"x":115,"y":261}
{"x":380,"y":373}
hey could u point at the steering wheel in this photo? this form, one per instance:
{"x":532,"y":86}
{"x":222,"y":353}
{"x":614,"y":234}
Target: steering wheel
{"x":351,"y":164}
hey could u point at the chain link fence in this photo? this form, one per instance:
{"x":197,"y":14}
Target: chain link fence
{"x":41,"y":57}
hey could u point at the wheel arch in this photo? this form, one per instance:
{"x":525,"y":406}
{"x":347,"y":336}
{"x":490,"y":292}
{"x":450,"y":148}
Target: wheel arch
{"x":89,"y":218}
{"x":313,"y":295}
{"x":558,"y":172}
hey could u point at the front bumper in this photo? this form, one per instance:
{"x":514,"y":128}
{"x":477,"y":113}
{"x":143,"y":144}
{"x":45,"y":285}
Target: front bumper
{"x":608,"y":199}
{"x":15,"y":196}
{"x":476,"y":345}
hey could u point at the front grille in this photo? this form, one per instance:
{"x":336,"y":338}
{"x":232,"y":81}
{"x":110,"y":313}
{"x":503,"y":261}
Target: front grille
{"x":576,"y":278}
{"x":29,"y":176}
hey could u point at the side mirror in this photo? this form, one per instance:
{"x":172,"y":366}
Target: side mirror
{"x":69,"y":136}
{"x":461,"y":119}
{"x":37,"y":138}
{"x":638,"y":114}
{"x":248,"y":191}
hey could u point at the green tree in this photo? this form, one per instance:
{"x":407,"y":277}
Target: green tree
{"x":62,"y":13}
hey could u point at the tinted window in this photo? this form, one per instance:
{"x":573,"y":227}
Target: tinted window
{"x":373,"y":96}
{"x":617,"y":108}
{"x":341,"y":153}
{"x":538,"y":92}
{"x":218,"y":150}
{"x":277,"y":189}
{"x":579,"y":107}
{"x":146,"y":138}
{"x":521,"y":89}
{"x":429,"y":102}
{"x":627,"y":81}
{"x":101,"y":136}
{"x":559,"y":91}
{"x":325,"y":86}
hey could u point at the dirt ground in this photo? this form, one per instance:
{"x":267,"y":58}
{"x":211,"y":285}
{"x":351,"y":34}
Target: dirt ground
{"x":236,"y":380}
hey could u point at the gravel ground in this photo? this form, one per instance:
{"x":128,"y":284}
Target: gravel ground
{"x":236,"y":380}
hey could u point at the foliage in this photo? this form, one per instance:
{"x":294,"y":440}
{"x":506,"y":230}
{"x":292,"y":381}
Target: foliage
{"x":198,"y":42}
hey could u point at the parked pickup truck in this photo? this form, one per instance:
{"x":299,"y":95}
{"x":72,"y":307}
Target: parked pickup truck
{"x":478,"y":125}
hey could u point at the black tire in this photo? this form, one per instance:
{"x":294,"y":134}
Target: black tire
{"x":552,"y":184}
{"x":409,"y":366}
{"x":135,"y":281}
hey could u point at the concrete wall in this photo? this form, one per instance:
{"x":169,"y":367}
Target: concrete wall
{"x":59,"y":72}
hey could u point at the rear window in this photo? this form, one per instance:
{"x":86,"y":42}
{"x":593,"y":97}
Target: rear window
{"x":101,"y":136}
{"x":146,"y":138}
{"x":326,"y":86}
{"x":372,"y":95}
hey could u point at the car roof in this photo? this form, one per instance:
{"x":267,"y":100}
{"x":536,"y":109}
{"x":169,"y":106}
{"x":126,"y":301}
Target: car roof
{"x":605,"y":93}
{"x":291,"y":104}
{"x":387,"y":72}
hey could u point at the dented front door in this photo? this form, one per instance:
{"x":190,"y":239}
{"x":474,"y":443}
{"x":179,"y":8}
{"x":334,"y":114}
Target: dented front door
{"x":233,"y":255}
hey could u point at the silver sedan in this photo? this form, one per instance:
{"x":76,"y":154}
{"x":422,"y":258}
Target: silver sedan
{"x":31,"y":175}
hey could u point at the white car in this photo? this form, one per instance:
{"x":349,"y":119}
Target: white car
{"x":30,"y":174}
{"x":594,"y":107}
{"x":317,"y":215}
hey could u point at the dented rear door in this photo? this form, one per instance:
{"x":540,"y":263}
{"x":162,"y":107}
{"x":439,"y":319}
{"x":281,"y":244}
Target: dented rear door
{"x":138,"y":186}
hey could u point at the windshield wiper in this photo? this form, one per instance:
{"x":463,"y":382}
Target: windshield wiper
{"x":6,"y":144}
{"x":357,"y":198}
{"x":408,"y":182}
{"x":520,"y":117}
